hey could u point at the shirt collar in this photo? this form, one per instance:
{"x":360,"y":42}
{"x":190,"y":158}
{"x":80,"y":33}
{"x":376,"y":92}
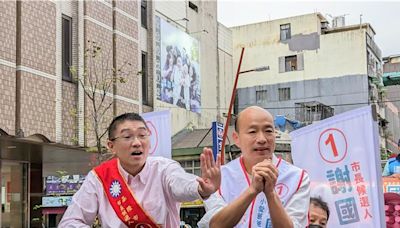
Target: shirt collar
{"x":142,"y":176}
{"x":275,"y":160}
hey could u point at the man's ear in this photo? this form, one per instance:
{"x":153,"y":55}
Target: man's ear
{"x":110,"y":146}
{"x":235,"y":137}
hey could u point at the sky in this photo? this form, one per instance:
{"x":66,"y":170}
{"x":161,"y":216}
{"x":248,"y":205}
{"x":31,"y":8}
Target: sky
{"x":382,"y":15}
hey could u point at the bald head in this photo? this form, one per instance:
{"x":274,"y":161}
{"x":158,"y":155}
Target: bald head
{"x":248,"y":112}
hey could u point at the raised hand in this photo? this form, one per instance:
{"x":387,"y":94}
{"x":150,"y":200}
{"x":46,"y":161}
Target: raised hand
{"x":210,"y":179}
{"x":269,"y":173}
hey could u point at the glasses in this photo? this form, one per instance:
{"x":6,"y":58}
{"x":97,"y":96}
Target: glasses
{"x":141,"y":136}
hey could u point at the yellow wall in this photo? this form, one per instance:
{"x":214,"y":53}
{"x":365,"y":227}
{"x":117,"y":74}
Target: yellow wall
{"x":339,"y":54}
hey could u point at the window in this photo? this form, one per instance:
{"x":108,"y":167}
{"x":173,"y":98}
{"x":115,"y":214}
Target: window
{"x":311,"y":111}
{"x":143,"y":13}
{"x":290,"y":63}
{"x":191,"y":166}
{"x":66,"y":48}
{"x":261,"y":96}
{"x":285,"y":32}
{"x":145,"y":93}
{"x":236,"y":104}
{"x":284,"y":94}
{"x":193,"y":7}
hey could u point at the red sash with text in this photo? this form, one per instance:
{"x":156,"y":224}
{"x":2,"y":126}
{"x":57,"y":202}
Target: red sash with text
{"x":121,"y":197}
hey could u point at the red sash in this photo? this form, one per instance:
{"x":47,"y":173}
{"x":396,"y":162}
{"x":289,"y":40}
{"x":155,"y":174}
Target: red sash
{"x":121,"y":196}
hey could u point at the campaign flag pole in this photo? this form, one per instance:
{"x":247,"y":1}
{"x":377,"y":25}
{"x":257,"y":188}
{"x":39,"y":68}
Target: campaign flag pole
{"x":228,"y":118}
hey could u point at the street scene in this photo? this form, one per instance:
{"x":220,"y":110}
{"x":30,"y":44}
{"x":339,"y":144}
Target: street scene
{"x":203,"y":113}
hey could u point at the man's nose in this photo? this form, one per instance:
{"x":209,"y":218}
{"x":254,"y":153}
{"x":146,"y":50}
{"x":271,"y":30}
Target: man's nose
{"x":136,"y":142}
{"x":261,"y":138}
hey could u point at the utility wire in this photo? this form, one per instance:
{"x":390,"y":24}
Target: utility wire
{"x":294,"y":107}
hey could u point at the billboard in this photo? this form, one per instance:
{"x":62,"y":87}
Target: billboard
{"x":177,"y":67}
{"x":63,"y":185}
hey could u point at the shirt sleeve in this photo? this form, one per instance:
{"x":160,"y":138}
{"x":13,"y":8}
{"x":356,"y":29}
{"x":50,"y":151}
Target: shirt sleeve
{"x":386,"y":170}
{"x":297,"y":206}
{"x":182,"y":186}
{"x":212,"y":205}
{"x":84,"y":206}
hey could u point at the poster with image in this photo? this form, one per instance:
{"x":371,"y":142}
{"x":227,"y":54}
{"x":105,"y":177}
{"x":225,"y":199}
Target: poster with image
{"x":178,"y":67}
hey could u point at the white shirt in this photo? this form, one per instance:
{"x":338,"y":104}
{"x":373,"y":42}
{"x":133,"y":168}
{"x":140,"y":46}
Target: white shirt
{"x":296,"y":207}
{"x":158,"y":188}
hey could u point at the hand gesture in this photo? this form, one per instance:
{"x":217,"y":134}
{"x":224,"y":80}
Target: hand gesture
{"x":210,"y":179}
{"x":257,"y":181}
{"x":269,"y":173}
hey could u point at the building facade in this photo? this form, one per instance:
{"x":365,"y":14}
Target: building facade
{"x":307,"y":64}
{"x":315,"y":71}
{"x":391,"y":79}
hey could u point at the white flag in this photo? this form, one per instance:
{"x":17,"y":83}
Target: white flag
{"x":159,"y":124}
{"x":342,"y":157}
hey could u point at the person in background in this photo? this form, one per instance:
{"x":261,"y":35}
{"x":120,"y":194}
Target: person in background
{"x":319,"y":213}
{"x":392,"y":167}
{"x":258,"y":189}
{"x":135,"y":190}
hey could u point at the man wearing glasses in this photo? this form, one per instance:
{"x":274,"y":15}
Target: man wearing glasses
{"x":134,"y":190}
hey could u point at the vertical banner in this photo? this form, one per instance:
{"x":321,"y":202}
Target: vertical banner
{"x":159,"y":124}
{"x":217,"y":134}
{"x":342,"y":157}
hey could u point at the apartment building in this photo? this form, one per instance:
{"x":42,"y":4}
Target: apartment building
{"x":391,"y":79}
{"x":314,"y":70}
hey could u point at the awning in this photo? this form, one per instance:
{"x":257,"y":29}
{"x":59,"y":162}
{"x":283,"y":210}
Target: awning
{"x":391,"y":78}
{"x":54,"y":210}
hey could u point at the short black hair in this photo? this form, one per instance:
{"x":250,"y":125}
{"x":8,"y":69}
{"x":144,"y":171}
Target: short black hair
{"x":131,"y":116}
{"x":236,"y":123}
{"x":318,"y":202}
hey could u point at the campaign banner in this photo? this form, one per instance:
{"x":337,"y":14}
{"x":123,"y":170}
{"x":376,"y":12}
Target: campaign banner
{"x":217,"y":135}
{"x":342,"y":157}
{"x":159,"y":124}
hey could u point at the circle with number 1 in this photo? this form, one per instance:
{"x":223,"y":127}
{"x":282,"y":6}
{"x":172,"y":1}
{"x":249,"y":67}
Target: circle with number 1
{"x":332,"y":145}
{"x":153,"y":137}
{"x":281,"y":189}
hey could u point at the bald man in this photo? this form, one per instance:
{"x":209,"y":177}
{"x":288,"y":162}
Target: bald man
{"x":258,"y":189}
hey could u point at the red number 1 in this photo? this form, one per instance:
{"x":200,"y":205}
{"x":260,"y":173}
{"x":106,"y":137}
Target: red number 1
{"x":331,"y":140}
{"x":280,"y":188}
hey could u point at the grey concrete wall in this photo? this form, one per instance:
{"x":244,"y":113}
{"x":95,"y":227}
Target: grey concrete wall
{"x":333,"y":92}
{"x":393,"y":94}
{"x":393,"y":126}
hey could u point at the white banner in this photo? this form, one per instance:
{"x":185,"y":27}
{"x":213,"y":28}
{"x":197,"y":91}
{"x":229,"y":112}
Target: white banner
{"x":159,"y":124}
{"x":342,"y":157}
